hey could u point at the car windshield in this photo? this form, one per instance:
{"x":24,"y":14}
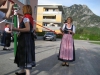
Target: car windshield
{"x":49,"y":33}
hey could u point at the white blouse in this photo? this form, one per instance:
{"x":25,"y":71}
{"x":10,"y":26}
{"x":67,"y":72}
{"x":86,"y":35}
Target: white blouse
{"x":68,"y":28}
{"x":6,"y":29}
{"x":26,"y":20}
{"x":2,"y":15}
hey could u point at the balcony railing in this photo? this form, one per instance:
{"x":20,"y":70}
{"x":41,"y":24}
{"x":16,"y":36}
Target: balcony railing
{"x":52,"y":12}
{"x":49,"y":20}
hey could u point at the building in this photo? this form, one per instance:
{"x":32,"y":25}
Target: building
{"x":49,"y":16}
{"x":20,"y":3}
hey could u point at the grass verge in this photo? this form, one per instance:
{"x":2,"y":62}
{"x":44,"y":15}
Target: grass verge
{"x":95,"y":42}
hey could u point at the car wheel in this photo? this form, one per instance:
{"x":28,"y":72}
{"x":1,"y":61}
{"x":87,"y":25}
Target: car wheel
{"x":43,"y":38}
{"x":53,"y":39}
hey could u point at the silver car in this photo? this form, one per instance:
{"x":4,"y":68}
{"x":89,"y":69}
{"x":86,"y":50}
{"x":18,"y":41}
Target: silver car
{"x":49,"y":36}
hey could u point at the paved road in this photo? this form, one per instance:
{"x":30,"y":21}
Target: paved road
{"x":87,"y":60}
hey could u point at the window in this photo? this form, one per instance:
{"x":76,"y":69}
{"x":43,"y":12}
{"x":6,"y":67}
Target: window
{"x":22,"y":1}
{"x":35,"y":10}
{"x":53,"y":25}
{"x":28,"y":2}
{"x":25,"y":1}
{"x":49,"y":17}
{"x":46,"y":9}
{"x":45,"y":24}
{"x":53,"y":9}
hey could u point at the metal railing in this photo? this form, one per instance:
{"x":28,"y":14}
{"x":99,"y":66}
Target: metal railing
{"x":51,"y":27}
{"x":52,"y":12}
{"x":49,"y":20}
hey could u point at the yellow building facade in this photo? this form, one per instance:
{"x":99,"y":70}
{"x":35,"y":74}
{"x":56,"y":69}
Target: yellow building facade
{"x":49,"y":16}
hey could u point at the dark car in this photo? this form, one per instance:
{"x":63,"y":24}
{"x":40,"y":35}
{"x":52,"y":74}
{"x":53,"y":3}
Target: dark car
{"x":49,"y":36}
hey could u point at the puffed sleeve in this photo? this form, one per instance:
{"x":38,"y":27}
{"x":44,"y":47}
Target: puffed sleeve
{"x":73,"y":28}
{"x":6,"y":29}
{"x":63,"y":27}
{"x":26,"y":20}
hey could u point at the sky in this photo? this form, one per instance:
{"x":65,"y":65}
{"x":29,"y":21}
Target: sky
{"x":94,"y":5}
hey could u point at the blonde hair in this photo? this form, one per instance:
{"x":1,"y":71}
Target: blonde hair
{"x":27,"y":9}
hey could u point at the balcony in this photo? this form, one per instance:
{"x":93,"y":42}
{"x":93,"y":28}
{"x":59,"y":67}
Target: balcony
{"x":51,"y":12}
{"x":49,"y":20}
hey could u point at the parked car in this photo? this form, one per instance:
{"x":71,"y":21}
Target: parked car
{"x":49,"y":36}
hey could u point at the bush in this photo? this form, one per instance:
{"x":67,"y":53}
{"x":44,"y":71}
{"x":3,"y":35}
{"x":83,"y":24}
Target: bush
{"x":40,"y":33}
{"x":59,"y":35}
{"x":82,"y":33}
{"x":87,"y":37}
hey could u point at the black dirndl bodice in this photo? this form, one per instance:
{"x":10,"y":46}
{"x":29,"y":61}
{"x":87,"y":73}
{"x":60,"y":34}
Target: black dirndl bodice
{"x":66,"y":30}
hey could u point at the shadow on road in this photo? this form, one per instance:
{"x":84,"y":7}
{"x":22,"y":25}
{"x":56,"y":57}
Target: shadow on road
{"x":52,"y":66}
{"x":86,"y":63}
{"x":2,"y":52}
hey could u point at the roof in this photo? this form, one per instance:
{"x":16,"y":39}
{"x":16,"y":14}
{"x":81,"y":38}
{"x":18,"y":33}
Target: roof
{"x":59,"y":6}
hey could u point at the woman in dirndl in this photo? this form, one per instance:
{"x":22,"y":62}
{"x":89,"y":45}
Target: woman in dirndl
{"x":7,"y":36}
{"x":67,"y":51}
{"x":25,"y":54}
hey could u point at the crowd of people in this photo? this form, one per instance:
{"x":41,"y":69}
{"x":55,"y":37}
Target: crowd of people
{"x":25,"y":54}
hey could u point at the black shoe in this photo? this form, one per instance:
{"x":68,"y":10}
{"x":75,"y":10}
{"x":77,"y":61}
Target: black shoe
{"x":20,"y":73}
{"x":63,"y":64}
{"x":5,"y":49}
{"x":67,"y":64}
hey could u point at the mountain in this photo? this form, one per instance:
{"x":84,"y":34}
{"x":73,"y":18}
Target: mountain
{"x":82,"y":16}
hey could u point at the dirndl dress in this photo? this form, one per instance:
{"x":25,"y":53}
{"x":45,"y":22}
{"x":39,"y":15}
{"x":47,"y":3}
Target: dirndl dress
{"x":25,"y":54}
{"x":67,"y":50}
{"x":6,"y":39}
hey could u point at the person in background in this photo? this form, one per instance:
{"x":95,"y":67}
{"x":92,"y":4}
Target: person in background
{"x":25,"y":54}
{"x":8,"y":13}
{"x":7,"y":38}
{"x":67,"y":51}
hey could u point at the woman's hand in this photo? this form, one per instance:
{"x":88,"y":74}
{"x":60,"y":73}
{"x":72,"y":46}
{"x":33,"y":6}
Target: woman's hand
{"x":61,"y":30}
{"x":14,"y":29}
{"x":70,"y":31}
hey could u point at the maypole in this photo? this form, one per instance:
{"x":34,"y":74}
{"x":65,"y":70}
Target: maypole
{"x":15,"y":25}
